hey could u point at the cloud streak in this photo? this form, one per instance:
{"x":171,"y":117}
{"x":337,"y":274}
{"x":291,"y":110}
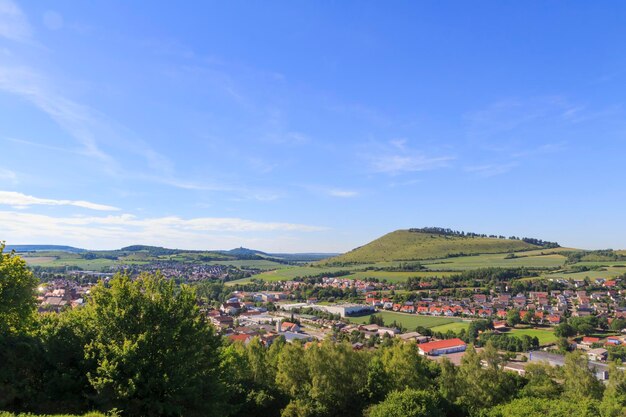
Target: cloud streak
{"x":15,"y":199}
{"x":342,"y":193}
{"x":123,"y":229}
{"x":398,"y":157}
{"x":13,"y":23}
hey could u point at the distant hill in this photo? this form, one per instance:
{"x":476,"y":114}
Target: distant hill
{"x":40,"y":248}
{"x":417,"y":244}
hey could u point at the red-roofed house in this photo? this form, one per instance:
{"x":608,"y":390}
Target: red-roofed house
{"x":442,"y":347}
{"x":286,"y":326}
{"x":587,"y":340}
{"x":241,"y":338}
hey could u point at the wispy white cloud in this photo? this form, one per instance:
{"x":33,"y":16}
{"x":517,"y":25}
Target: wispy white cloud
{"x":342,"y":193}
{"x":15,"y":199}
{"x":408,"y":162}
{"x":13,"y":23}
{"x":397,"y":156}
{"x":119,"y":230}
{"x":8,"y":175}
{"x":491,"y":170}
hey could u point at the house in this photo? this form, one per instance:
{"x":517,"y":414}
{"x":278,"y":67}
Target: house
{"x":287,"y":326}
{"x":230,"y":308}
{"x":222,"y":322}
{"x":587,"y":340}
{"x":386,"y":330}
{"x":612,"y":340}
{"x":598,"y":354}
{"x":240,"y":338}
{"x":442,"y":347}
{"x":499,"y":325}
{"x":413,"y":337}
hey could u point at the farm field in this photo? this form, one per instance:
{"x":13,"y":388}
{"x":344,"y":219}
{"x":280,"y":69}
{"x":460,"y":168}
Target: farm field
{"x":545,"y":337}
{"x":455,"y":327}
{"x":287,"y":273}
{"x":251,"y":263}
{"x":86,"y":264}
{"x":410,"y":321}
{"x":496,"y":260}
{"x":396,"y":277}
{"x":608,"y":273}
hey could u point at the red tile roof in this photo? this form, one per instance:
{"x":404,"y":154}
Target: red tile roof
{"x":441,"y":344}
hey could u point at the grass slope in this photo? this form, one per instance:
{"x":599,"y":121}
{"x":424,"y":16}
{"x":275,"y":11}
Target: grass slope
{"x":405,"y":245}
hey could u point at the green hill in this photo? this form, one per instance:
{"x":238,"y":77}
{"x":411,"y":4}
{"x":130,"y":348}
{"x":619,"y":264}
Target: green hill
{"x":414,"y":245}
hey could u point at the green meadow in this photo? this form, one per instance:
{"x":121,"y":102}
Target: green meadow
{"x":546,"y":337}
{"x":411,"y":321}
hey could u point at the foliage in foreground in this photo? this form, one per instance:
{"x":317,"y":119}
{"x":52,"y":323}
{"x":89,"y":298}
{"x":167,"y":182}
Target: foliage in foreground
{"x":143,"y":347}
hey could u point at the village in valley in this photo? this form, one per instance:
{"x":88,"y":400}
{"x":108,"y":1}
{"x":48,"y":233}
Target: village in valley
{"x":530,"y":314}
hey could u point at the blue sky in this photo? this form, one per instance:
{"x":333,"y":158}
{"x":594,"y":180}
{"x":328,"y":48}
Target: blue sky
{"x":310,"y":126}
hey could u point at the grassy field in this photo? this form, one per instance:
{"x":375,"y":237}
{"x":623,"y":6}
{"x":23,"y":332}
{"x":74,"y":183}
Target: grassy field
{"x":496,"y":260}
{"x":404,"y":245}
{"x":545,"y":337}
{"x":608,"y":273}
{"x":396,"y":277}
{"x":86,"y":264}
{"x":455,"y":327}
{"x":410,"y":321}
{"x":252,"y":263}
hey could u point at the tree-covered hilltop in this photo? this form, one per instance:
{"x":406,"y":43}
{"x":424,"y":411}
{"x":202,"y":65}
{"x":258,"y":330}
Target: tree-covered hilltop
{"x":433,"y":243}
{"x":142,"y":347}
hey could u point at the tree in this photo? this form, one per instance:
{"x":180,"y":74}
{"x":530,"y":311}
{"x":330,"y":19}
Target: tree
{"x":410,"y":403}
{"x":292,"y":374}
{"x":153,"y":351}
{"x":579,"y":381}
{"x":564,"y":330}
{"x":541,"y":382}
{"x":17,"y":293}
{"x":337,"y":376}
{"x":617,"y":325}
{"x":541,"y":407}
{"x":405,"y":367}
{"x":513,"y":318}
{"x":614,"y":399}
{"x":482,"y":387}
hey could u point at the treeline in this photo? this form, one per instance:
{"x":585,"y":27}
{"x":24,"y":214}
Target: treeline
{"x":593,"y":256}
{"x":143,"y":348}
{"x":450,"y":232}
{"x":490,"y":276}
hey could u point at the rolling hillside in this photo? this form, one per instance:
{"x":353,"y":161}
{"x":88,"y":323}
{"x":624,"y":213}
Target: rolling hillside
{"x":409,"y":245}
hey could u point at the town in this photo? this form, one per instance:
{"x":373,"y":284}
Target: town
{"x":527,"y":326}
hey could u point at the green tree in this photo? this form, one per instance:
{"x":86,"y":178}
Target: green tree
{"x":154,"y":353}
{"x":513,"y":317}
{"x":541,"y":382}
{"x":564,"y":330}
{"x":614,"y":398}
{"x":17,"y":293}
{"x":617,"y":325}
{"x":405,"y":367}
{"x":411,"y":403}
{"x":542,"y":407}
{"x":579,"y":382}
